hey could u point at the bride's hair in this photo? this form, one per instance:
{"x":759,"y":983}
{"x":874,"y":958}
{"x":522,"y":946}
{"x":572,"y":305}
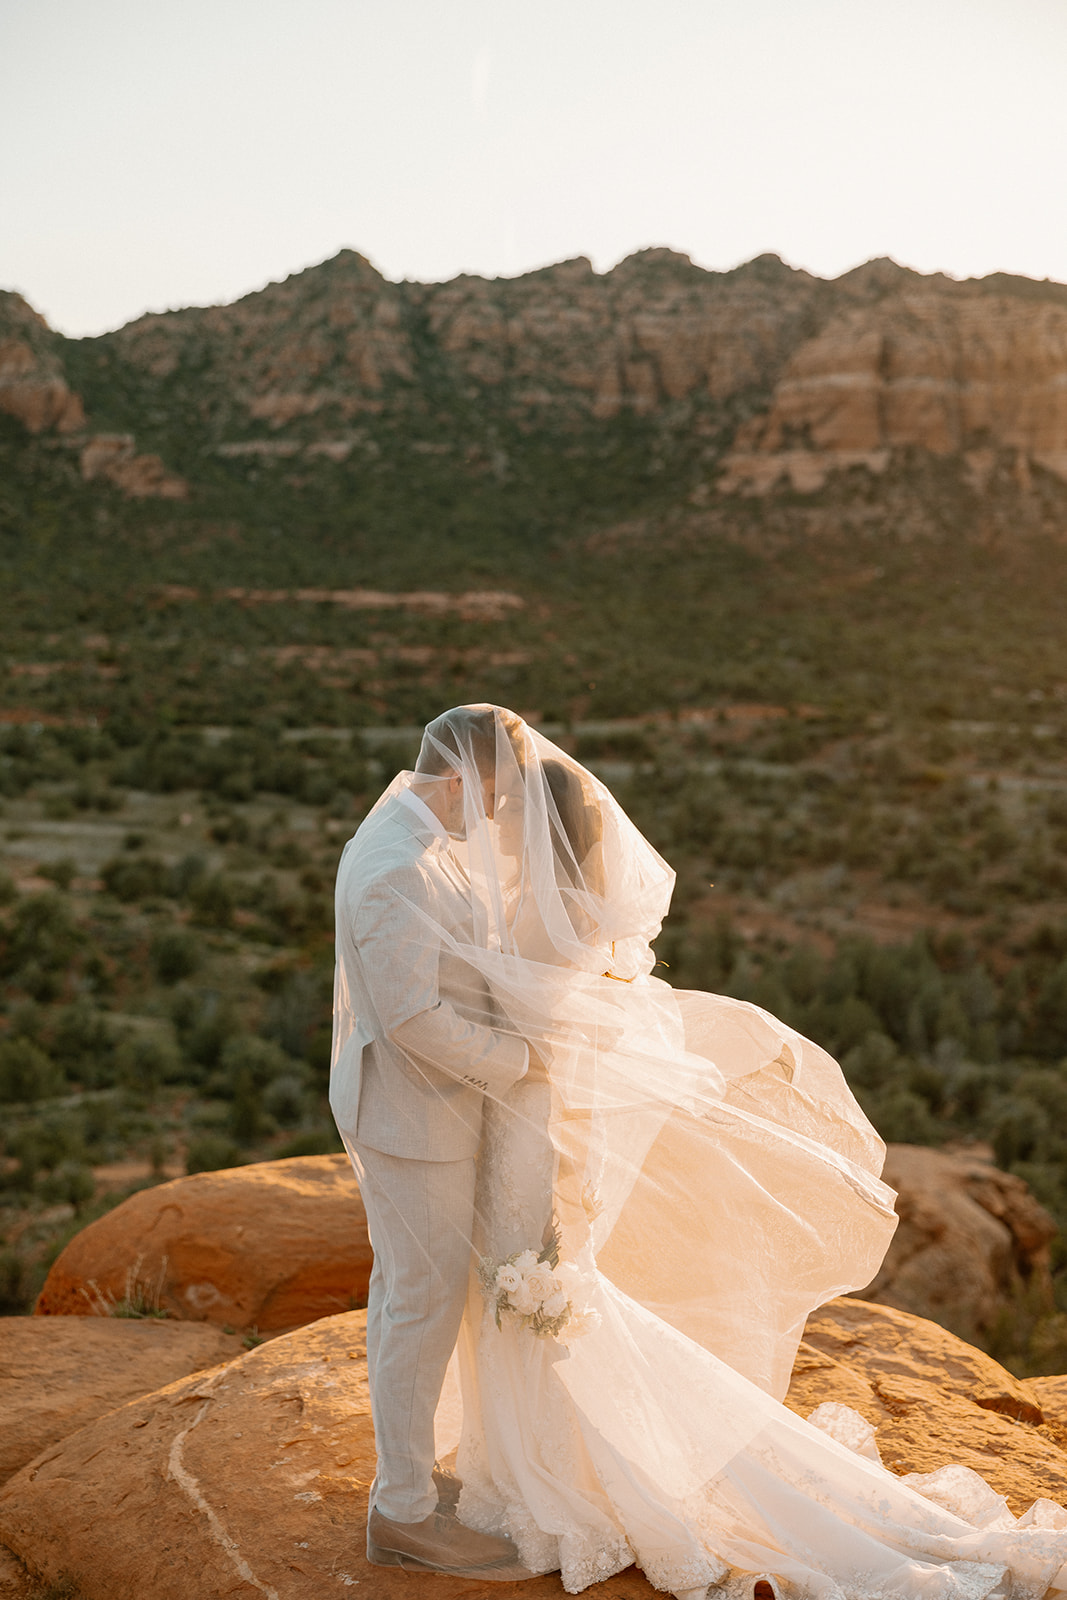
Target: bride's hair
{"x":580,"y":822}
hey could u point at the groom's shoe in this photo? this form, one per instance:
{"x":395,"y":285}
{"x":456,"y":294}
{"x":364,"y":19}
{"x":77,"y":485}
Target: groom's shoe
{"x":441,"y":1544}
{"x":448,"y":1487}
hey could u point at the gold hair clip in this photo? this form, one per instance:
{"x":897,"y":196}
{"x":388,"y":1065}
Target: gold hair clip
{"x":614,"y":975}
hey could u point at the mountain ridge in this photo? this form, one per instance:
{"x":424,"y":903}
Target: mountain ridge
{"x":760,"y":378}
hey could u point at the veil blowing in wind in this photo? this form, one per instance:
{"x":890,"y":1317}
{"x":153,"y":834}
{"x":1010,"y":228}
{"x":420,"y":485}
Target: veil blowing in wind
{"x":733,"y":1176}
{"x":675,"y":1182}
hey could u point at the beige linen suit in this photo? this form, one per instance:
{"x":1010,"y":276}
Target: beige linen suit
{"x":413,"y":1057}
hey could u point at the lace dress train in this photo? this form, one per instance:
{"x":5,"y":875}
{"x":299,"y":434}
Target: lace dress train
{"x":632,"y":1443}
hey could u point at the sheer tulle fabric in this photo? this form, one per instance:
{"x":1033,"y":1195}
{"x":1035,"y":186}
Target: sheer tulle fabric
{"x":704,"y":1177}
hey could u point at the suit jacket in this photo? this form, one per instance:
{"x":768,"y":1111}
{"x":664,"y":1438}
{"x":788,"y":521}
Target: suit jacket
{"x":413,"y":1051}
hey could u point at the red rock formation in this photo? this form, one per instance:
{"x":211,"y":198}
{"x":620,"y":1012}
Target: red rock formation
{"x":254,"y":1477}
{"x":933,"y":1399}
{"x":945,"y":367}
{"x":251,"y":1479}
{"x":59,"y":1373}
{"x":839,"y":374}
{"x":267,"y":1246}
{"x":655,"y":330}
{"x":16,"y":1583}
{"x":33,"y":387}
{"x":970,"y":1237}
{"x":830,"y":375}
{"x":113,"y":456}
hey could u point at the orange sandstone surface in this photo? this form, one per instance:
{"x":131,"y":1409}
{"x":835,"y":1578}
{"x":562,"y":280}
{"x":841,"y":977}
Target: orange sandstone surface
{"x":268,"y":1246}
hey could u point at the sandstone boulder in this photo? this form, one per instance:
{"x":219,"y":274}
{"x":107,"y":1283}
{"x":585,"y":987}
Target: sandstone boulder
{"x":58,"y":1373}
{"x":933,"y":1399}
{"x":114,"y":456}
{"x":253,"y":1477}
{"x":1051,"y":1396}
{"x":268,"y":1246}
{"x":250,"y":1479}
{"x":970,"y":1237}
{"x":15,"y":1582}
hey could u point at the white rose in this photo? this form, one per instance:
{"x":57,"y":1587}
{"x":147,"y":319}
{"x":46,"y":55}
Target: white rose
{"x":555,"y":1305}
{"x":542,"y":1281}
{"x":508,"y":1279}
{"x":526,"y":1262}
{"x":523,"y":1299}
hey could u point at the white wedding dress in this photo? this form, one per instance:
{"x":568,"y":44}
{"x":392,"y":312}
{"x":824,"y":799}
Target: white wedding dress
{"x":632,"y":1443}
{"x":707,"y":1179}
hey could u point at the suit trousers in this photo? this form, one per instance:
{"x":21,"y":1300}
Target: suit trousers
{"x":420,"y":1218}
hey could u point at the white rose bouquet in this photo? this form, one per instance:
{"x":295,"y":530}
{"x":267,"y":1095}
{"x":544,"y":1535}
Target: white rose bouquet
{"x":528,"y":1287}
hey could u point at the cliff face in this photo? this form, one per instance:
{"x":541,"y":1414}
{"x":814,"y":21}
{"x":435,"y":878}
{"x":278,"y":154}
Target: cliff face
{"x":34,"y":389}
{"x":655,"y":330}
{"x":776,"y":375}
{"x":946,"y":368}
{"x":33,"y":386}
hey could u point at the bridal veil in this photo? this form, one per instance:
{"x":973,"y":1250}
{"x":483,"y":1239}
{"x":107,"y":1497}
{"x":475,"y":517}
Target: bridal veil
{"x":710,"y":1160}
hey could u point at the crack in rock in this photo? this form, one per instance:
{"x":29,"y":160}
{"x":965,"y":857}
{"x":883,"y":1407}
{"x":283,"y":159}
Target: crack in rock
{"x":179,"y":1473}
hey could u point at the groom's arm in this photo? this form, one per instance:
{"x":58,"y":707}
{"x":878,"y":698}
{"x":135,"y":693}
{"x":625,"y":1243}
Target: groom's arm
{"x":401,"y":958}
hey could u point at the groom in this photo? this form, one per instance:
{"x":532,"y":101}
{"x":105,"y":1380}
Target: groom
{"x":410,"y":1067}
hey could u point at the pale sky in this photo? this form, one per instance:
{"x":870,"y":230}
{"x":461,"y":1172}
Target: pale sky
{"x":162,"y":153}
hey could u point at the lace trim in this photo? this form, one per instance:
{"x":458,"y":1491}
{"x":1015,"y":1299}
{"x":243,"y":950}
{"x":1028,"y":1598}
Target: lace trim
{"x":580,"y":1559}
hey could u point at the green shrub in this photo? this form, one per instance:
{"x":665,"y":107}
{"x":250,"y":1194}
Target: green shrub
{"x":902,"y":1117}
{"x":1049,"y":1025}
{"x":83,"y":1041}
{"x":185,"y":873}
{"x":72,"y":1183}
{"x":26,"y":1073}
{"x":212,"y":899}
{"x":298,"y":1008}
{"x":93,"y":793}
{"x":261,"y":1059}
{"x":62,"y":872}
{"x":204,"y":1022}
{"x":143,"y":1061}
{"x":15,"y":1283}
{"x":42,"y":939}
{"x":322,"y":1141}
{"x":873,"y":1063}
{"x":972,"y":1092}
{"x":175,"y":954}
{"x":247,"y":1120}
{"x":135,"y":877}
{"x":1018,"y":1134}
{"x":210,"y":1152}
{"x":231,"y":829}
{"x":925,"y":1080}
{"x":285,"y":1097}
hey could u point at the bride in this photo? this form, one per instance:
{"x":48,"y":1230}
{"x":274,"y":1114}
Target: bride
{"x":660,"y":1202}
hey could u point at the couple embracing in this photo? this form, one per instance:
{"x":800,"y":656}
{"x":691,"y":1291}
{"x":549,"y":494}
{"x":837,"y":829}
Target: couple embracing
{"x":603,"y":1209}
